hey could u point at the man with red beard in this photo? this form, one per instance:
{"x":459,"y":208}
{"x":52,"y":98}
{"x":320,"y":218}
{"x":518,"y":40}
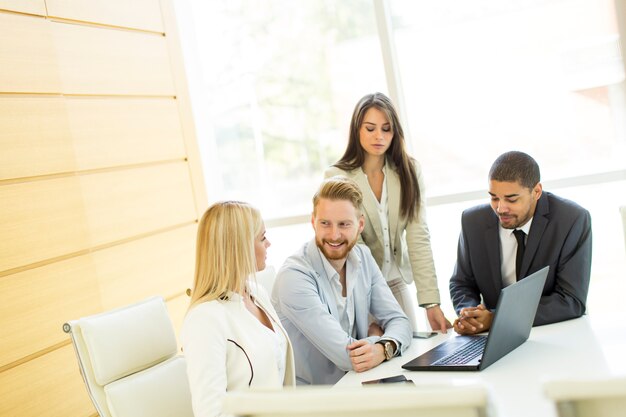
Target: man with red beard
{"x":325,"y":293}
{"x":522,"y":231}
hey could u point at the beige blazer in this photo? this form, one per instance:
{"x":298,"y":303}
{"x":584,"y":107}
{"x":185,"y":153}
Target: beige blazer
{"x":410,"y":241}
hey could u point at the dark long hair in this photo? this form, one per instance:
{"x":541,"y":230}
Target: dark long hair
{"x":354,"y":156}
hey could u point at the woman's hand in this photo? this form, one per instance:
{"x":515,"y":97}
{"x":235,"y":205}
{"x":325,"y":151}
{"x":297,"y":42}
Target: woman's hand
{"x":436,"y":319}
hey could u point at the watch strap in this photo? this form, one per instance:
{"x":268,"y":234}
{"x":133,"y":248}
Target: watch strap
{"x":388,"y":348}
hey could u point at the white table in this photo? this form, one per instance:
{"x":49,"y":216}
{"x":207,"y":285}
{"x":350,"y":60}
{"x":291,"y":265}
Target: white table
{"x":588,"y":347}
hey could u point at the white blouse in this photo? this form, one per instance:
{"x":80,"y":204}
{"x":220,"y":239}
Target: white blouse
{"x":389,"y":268}
{"x":277,"y":339}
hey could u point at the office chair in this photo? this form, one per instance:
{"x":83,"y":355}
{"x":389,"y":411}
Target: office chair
{"x":266,"y":278}
{"x":391,"y":400}
{"x":127,"y":358}
{"x":588,"y":398}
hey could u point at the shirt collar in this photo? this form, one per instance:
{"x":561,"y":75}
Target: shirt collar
{"x":525,"y":228}
{"x":352,"y":263}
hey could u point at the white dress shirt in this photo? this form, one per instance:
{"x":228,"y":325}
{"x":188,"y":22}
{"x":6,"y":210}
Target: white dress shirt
{"x":508,"y":251}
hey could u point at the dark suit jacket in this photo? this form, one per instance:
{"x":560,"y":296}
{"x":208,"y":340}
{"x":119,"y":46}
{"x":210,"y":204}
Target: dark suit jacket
{"x":559,"y":236}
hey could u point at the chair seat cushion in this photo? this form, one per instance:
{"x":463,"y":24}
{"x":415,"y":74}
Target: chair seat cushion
{"x":161,"y":391}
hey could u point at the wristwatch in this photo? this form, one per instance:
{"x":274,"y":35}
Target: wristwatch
{"x":388,"y":349}
{"x":431,"y":305}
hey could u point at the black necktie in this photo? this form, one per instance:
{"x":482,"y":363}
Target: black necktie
{"x":521,"y":245}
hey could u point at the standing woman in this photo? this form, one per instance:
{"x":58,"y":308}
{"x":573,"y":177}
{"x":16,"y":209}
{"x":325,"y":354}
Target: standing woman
{"x":231,"y":336}
{"x":393,"y":204}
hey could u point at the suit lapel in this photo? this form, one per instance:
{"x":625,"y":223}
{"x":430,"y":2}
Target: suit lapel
{"x":538,"y":226}
{"x":492,"y":243}
{"x":393,"y":198}
{"x":368,"y":202}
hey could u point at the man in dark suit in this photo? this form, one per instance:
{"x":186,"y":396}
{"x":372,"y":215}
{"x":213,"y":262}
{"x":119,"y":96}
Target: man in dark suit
{"x":524,"y":230}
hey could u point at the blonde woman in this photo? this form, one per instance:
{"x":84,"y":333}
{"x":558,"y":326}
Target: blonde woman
{"x":232,"y":338}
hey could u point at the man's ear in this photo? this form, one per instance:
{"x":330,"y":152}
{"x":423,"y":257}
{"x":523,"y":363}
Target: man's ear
{"x":361,"y":223}
{"x":537,"y":190}
{"x":313,"y":220}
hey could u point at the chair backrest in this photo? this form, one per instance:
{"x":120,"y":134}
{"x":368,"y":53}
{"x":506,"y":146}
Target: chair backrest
{"x":390,"y":400}
{"x":127,"y":358}
{"x":588,"y":398}
{"x":266,"y":278}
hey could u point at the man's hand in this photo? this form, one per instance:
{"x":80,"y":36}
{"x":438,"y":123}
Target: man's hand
{"x":437,"y":320}
{"x":365,"y":355}
{"x":473,"y":320}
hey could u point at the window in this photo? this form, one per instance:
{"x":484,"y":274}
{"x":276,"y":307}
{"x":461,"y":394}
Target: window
{"x":483,"y":77}
{"x":279,"y":80}
{"x":542,"y":76}
{"x":274,"y":83}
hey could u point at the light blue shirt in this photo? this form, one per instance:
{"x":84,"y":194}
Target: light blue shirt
{"x":345,"y":309}
{"x":306,"y":305}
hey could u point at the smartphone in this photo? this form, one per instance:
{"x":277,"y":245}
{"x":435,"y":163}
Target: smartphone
{"x":390,"y":380}
{"x":424,"y":335}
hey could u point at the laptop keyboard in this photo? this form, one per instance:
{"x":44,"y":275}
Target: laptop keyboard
{"x":465,"y":354}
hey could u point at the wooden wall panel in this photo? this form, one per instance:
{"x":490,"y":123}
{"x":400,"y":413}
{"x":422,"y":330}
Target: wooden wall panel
{"x":127,"y":203}
{"x":35,"y":137}
{"x":48,"y":219}
{"x":41,"y":220}
{"x":49,"y":135}
{"x":138,"y":14}
{"x":24,"y":6}
{"x":113,"y":132}
{"x":34,"y":304}
{"x":184,"y":105}
{"x":48,"y":296}
{"x":95,"y":60}
{"x":50,"y":385}
{"x":100,"y":183}
{"x":27,"y":55}
{"x":158,"y":265}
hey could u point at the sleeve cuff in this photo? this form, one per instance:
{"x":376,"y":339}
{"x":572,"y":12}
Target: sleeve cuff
{"x":391,"y":339}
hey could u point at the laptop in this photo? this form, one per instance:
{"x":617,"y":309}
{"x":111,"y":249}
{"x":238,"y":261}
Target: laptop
{"x":512,"y":321}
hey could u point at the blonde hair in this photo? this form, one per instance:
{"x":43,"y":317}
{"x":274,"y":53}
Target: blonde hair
{"x":225,"y":250}
{"x":339,"y":188}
